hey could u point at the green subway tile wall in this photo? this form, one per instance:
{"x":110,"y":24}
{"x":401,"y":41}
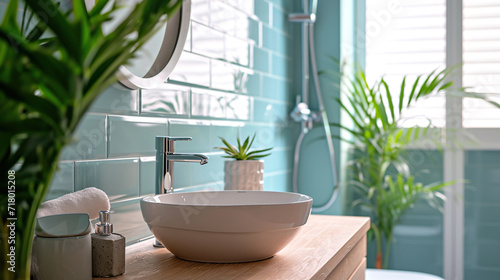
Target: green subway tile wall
{"x":233,"y":76}
{"x":90,"y":140}
{"x":482,"y":215}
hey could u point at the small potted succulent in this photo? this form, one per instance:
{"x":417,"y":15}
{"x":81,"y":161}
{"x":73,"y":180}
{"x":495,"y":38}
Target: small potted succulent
{"x":246,"y":172}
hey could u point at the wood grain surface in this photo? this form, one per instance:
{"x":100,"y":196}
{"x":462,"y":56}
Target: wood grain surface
{"x":325,"y":246}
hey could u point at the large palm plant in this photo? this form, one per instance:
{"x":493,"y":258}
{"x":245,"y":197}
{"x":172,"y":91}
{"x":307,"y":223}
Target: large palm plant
{"x":378,"y":143}
{"x":53,"y":66}
{"x":379,"y":173}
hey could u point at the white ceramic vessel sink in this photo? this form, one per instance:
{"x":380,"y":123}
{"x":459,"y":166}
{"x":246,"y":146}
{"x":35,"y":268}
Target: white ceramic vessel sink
{"x":226,"y":226}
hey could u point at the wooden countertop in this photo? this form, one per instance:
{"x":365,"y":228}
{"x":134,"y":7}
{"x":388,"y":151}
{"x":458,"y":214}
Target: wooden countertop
{"x":314,"y":253}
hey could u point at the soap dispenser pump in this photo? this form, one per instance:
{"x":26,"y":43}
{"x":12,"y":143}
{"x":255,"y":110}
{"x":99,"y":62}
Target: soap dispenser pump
{"x":108,"y":249}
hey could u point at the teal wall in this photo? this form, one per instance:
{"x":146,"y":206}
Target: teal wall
{"x":482,"y":215}
{"x":235,"y":75}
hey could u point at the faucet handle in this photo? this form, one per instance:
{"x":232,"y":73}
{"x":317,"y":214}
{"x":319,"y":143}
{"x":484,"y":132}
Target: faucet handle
{"x":166,"y":143}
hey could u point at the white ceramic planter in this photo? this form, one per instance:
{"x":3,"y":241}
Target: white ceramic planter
{"x":244,"y":175}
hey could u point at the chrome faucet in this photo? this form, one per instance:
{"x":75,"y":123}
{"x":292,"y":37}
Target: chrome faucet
{"x":165,"y":157}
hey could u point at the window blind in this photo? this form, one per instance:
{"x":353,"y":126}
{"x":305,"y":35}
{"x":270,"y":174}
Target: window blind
{"x":407,"y":38}
{"x":481,"y":61}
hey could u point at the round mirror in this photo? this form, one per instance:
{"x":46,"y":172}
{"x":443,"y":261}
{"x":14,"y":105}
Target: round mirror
{"x":159,"y":55}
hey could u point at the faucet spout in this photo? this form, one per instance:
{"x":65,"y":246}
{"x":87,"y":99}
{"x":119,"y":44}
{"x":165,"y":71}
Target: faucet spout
{"x":202,"y":159}
{"x":165,"y":158}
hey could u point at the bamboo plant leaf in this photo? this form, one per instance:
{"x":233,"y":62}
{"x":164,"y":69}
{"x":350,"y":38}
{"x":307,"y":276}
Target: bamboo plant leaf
{"x":351,"y":116}
{"x":47,"y":83}
{"x":48,"y":111}
{"x":425,"y":87}
{"x":41,"y":58}
{"x":389,"y":100}
{"x":346,"y":128}
{"x":413,"y":90}
{"x":378,"y":144}
{"x":49,"y":13}
{"x":10,"y":17}
{"x":402,"y":95}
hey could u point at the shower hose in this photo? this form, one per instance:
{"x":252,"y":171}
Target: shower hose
{"x":326,"y":127}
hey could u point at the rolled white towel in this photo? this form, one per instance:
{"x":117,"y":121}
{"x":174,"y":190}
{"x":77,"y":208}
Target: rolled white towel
{"x":89,"y":200}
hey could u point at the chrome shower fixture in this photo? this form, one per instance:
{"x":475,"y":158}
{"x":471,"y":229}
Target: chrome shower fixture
{"x":301,"y":112}
{"x":298,"y":17}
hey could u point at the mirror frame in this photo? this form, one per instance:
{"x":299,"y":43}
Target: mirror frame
{"x":168,"y":56}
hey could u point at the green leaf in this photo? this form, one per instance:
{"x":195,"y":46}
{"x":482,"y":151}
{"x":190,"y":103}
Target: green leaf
{"x":258,"y":151}
{"x":82,"y":25}
{"x":445,"y":86}
{"x":389,"y":99}
{"x":438,"y":186}
{"x":51,"y":72}
{"x":10,"y":17}
{"x":413,"y":90}
{"x":425,"y":88}
{"x":97,"y":10}
{"x":391,"y":185}
{"x":32,"y":125}
{"x":379,"y":106}
{"x":48,"y":111}
{"x":361,"y":113}
{"x":37,"y":32}
{"x":351,"y":116}
{"x":48,"y":12}
{"x":371,"y":192}
{"x":257,"y":157}
{"x":251,"y":143}
{"x":402,"y":95}
{"x":240,"y":151}
{"x":377,"y":143}
{"x":243,"y":150}
{"x":351,"y":131}
{"x":41,"y":58}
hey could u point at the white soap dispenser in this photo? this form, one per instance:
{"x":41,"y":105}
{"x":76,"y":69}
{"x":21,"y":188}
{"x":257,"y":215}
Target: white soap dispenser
{"x":108,"y":249}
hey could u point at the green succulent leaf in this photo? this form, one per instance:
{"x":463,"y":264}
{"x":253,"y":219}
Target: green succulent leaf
{"x":243,"y":151}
